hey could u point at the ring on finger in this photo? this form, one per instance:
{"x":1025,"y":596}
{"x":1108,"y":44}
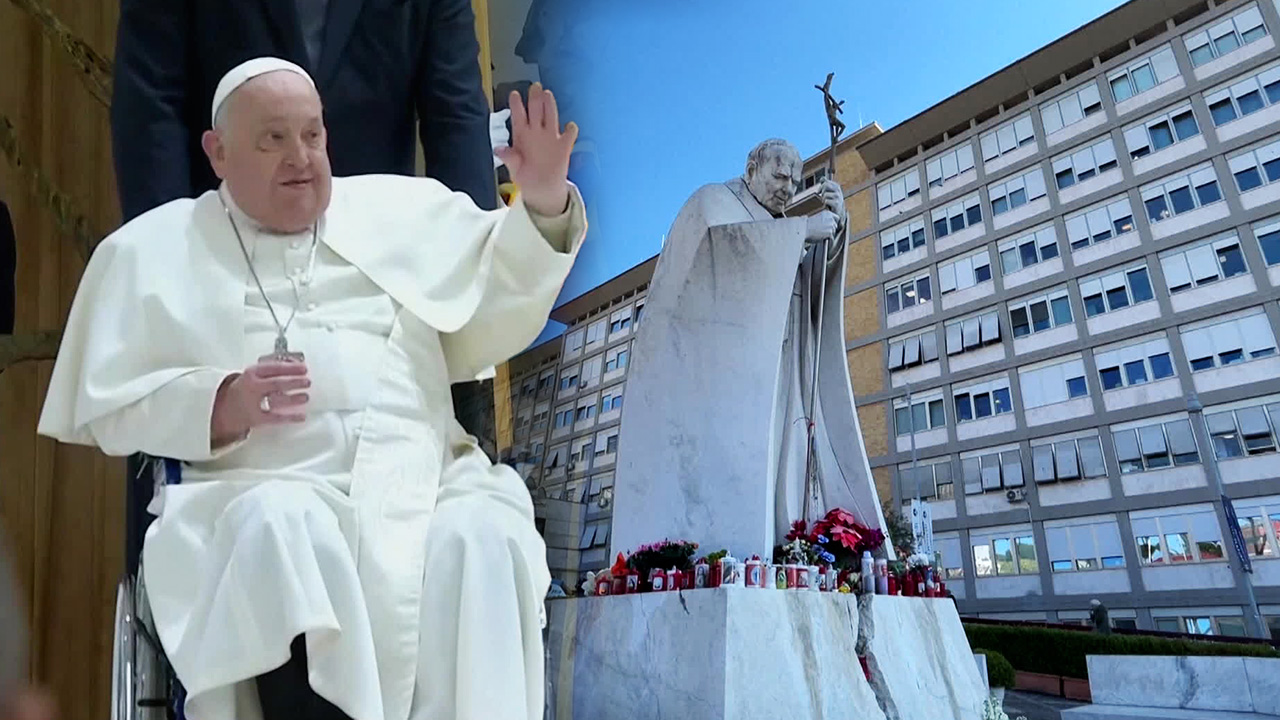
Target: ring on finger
{"x":265,"y":403}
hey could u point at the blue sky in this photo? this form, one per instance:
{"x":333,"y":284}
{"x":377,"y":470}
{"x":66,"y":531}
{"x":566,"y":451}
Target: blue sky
{"x":673,"y":93}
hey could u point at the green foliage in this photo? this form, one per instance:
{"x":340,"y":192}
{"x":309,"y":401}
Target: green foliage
{"x":999,"y":671}
{"x":1062,"y":652}
{"x":899,"y":530}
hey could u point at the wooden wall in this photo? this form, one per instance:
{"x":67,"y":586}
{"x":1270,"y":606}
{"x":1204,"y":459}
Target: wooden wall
{"x":61,"y":507}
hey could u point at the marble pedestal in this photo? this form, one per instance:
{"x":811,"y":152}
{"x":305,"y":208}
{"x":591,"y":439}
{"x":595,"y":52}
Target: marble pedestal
{"x":748,"y":654}
{"x":723,"y":654}
{"x":919,"y":657}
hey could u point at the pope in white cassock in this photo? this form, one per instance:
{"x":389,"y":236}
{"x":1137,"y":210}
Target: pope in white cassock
{"x":291,"y":337}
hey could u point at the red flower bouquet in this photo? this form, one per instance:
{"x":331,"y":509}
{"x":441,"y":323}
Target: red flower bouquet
{"x":837,"y":539}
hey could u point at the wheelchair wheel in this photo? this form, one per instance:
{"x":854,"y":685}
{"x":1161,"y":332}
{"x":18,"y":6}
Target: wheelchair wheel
{"x":123,"y":705}
{"x":139,"y":676}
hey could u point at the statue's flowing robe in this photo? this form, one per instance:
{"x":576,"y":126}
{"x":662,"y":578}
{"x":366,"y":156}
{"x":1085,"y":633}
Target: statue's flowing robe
{"x":377,"y":529}
{"x":844,"y":475}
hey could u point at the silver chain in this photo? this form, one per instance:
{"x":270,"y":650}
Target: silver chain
{"x":281,"y":342}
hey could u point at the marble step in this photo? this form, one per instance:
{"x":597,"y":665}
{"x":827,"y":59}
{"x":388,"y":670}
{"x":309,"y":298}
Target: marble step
{"x":1128,"y":712}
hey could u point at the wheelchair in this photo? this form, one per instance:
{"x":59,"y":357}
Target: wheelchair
{"x":143,"y":684}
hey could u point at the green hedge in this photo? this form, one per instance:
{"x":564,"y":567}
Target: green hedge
{"x":999,"y":671}
{"x":1062,"y":652}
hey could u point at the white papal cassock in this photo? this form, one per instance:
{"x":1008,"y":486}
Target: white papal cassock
{"x":377,"y":528}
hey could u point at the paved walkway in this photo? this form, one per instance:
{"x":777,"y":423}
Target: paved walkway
{"x":1035,"y":706}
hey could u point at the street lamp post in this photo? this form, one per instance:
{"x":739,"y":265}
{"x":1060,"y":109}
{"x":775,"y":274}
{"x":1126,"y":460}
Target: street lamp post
{"x":1196,"y":410}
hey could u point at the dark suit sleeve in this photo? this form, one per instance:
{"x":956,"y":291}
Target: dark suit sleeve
{"x":149,"y":106}
{"x":453,"y":112}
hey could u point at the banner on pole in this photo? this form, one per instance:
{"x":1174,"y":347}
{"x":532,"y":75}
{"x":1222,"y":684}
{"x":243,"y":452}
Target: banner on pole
{"x":1237,"y":537}
{"x":922,"y":526}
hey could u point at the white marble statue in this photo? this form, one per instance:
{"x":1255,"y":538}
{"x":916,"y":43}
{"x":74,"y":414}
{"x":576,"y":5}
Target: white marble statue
{"x":713,"y":440}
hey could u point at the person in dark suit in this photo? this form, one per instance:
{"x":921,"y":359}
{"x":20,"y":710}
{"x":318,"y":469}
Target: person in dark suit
{"x":382,"y":67}
{"x":8,"y":269}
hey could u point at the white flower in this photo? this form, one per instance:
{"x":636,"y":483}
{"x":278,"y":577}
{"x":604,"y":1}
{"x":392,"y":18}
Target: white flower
{"x":919,"y":560}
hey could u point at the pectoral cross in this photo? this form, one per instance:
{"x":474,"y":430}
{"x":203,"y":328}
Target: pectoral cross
{"x":281,"y":352}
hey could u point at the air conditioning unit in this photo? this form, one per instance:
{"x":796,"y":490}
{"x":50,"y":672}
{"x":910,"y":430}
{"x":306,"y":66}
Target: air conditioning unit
{"x":1015,"y":495}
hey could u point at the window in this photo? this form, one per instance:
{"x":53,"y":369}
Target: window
{"x":1135,"y":364}
{"x":1071,"y":108}
{"x":591,"y":371}
{"x":557,"y":457}
{"x":1034,"y":247}
{"x":902,"y":239}
{"x":1053,"y":384}
{"x":1232,"y":33}
{"x":1083,"y":547}
{"x":595,"y":332}
{"x":952,"y":563}
{"x":620,"y":321}
{"x":1008,"y":137}
{"x":922,"y":415}
{"x":1185,"y":536}
{"x":898,"y":189}
{"x":1244,"y":431}
{"x":616,"y":359}
{"x":1116,"y":290}
{"x":1226,"y":626}
{"x":965,"y":273}
{"x":573,"y":341}
{"x":1016,"y":192}
{"x":1100,"y":222}
{"x":611,"y":400}
{"x":932,"y":481}
{"x":1257,"y":167}
{"x":1268,"y":234}
{"x":991,"y":470}
{"x":586,"y":409}
{"x":972,"y":333}
{"x":957,"y":216}
{"x":1073,"y":459}
{"x":949,"y":164}
{"x":900,"y":296}
{"x":639,"y":312}
{"x":1040,"y":313}
{"x":1182,"y":193}
{"x":569,"y":379}
{"x":581,"y":451}
{"x":1243,"y":97}
{"x":564,"y":416}
{"x":1260,"y":526}
{"x":540,"y":419}
{"x":983,"y":400}
{"x":1226,"y":342}
{"x":1156,"y":446}
{"x":607,"y":442}
{"x":1142,"y":75}
{"x":1161,"y":131}
{"x":913,"y":350}
{"x":1085,"y":163}
{"x":813,"y":178}
{"x":1203,"y":263}
{"x":1014,"y":555}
